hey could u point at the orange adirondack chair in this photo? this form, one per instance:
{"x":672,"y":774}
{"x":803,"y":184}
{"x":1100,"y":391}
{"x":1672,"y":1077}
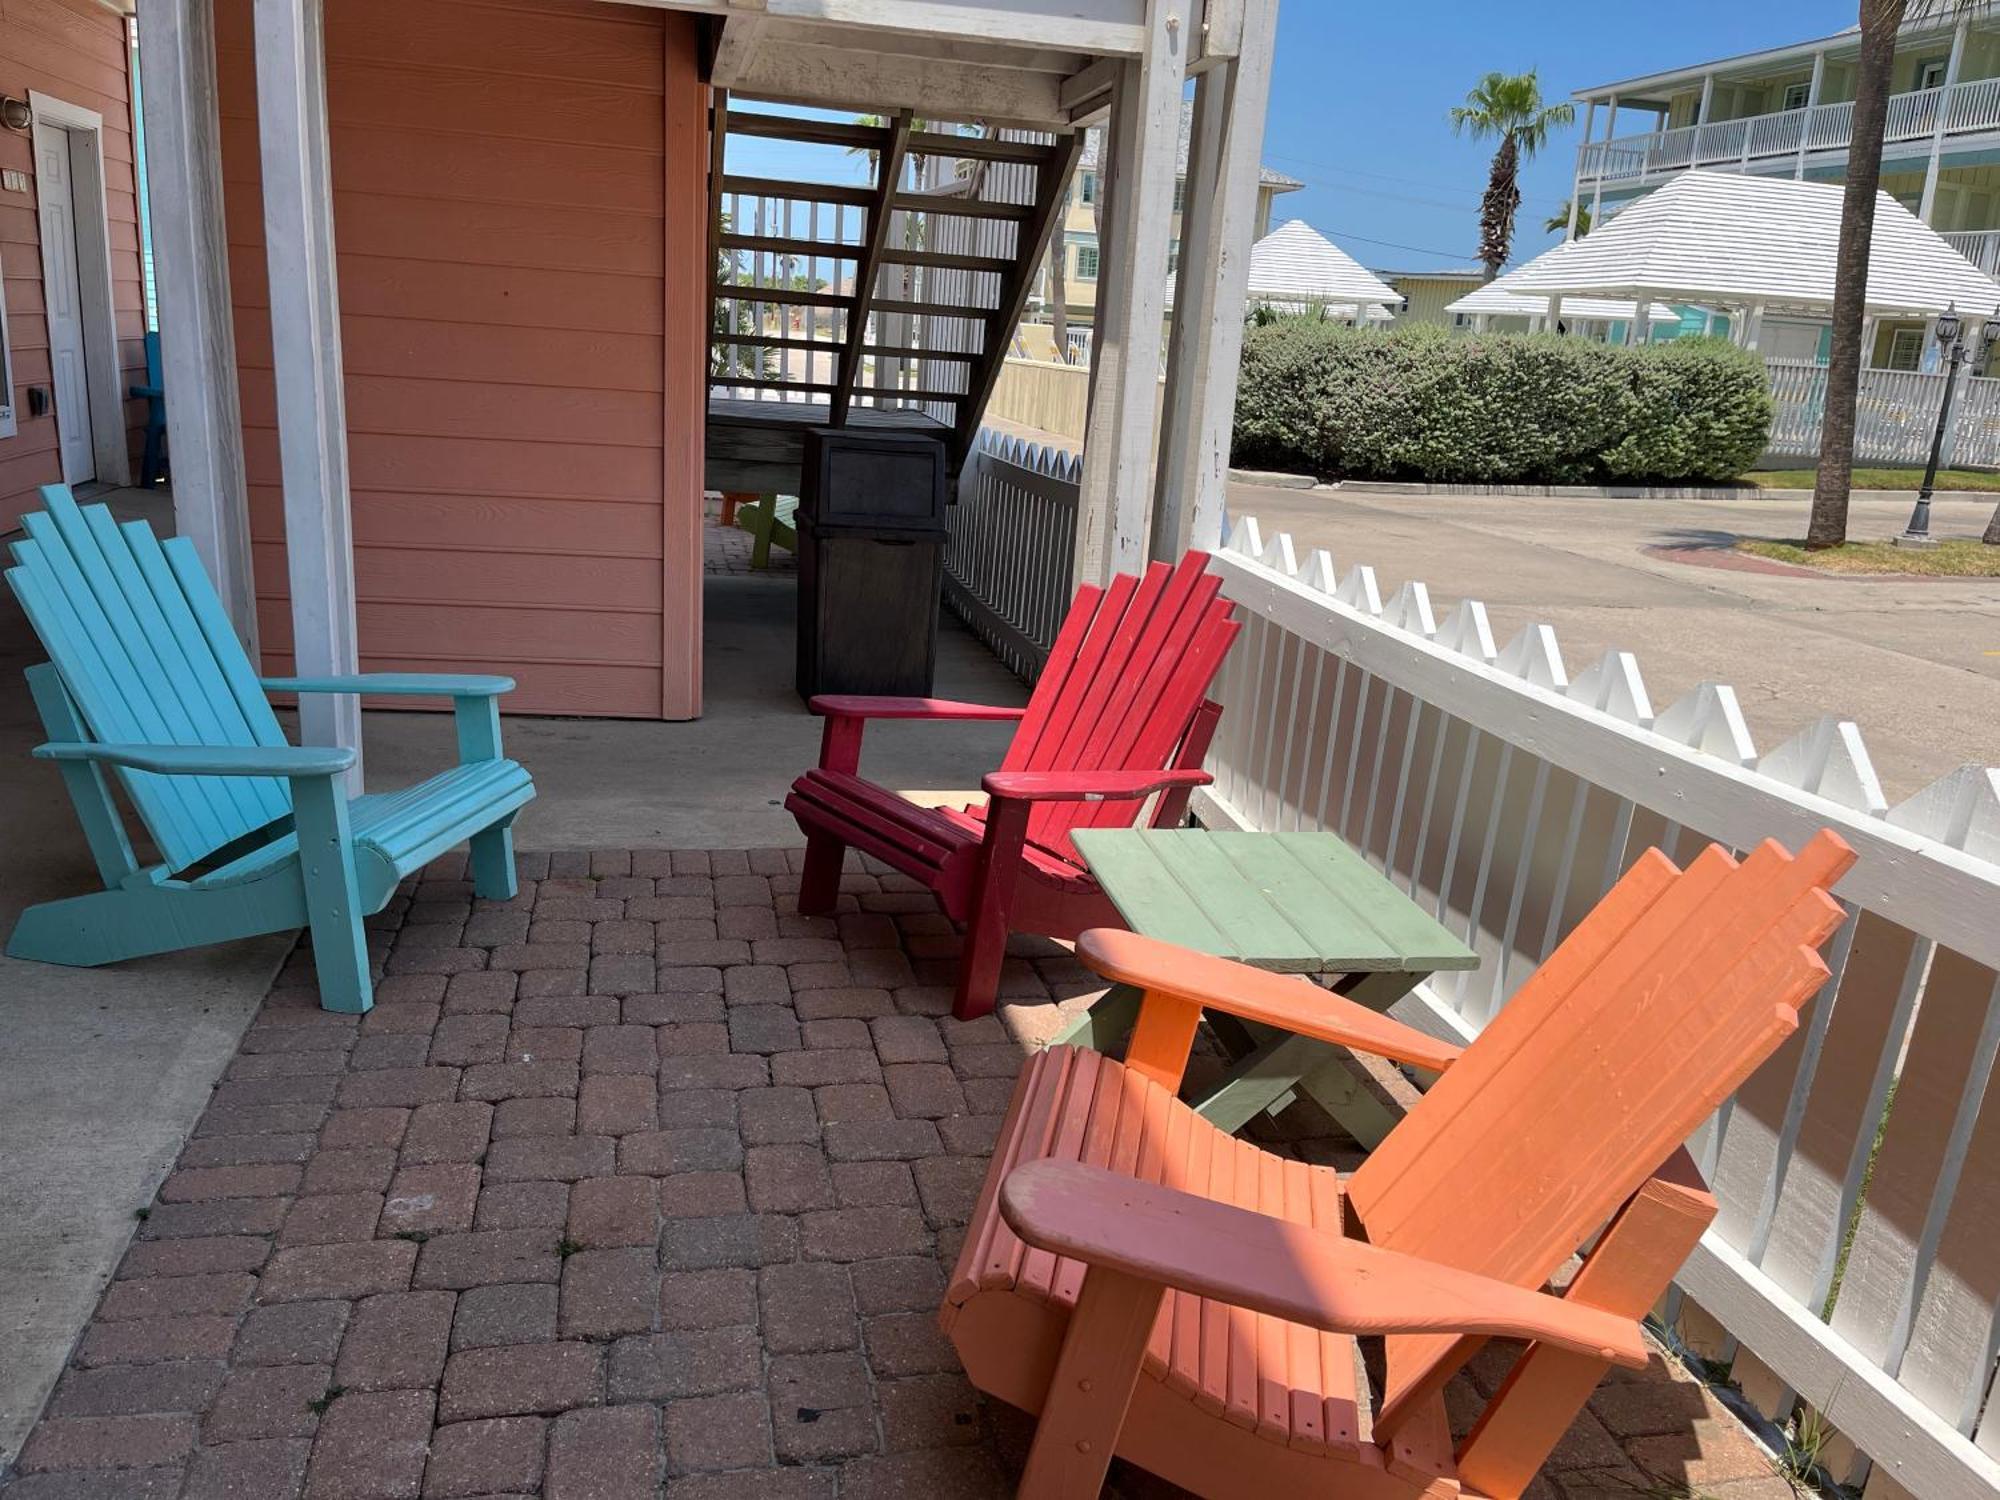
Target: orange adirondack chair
{"x":1157,"y":1289}
{"x":1117,"y":715}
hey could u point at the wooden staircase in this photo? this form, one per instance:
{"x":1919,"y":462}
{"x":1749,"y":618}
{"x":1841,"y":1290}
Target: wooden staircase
{"x":892,"y":302}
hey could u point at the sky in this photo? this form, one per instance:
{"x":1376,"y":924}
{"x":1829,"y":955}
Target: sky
{"x":1361,"y":93}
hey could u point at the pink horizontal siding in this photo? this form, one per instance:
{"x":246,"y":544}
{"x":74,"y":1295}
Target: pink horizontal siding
{"x":73,"y":50}
{"x":500,"y":178}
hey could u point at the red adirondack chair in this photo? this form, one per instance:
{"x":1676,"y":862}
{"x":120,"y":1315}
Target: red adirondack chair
{"x":1118,"y":715}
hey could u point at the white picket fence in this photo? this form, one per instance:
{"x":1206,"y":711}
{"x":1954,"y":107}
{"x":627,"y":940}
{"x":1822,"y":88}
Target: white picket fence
{"x":1013,"y":530}
{"x":1895,"y":414}
{"x":1855,"y":1264}
{"x":1506,"y":796}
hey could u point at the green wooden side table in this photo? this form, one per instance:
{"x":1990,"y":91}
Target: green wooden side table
{"x":1300,"y":903}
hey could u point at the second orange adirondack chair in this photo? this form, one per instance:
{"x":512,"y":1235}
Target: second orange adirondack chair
{"x":1162,"y":1291}
{"x":1117,"y":715}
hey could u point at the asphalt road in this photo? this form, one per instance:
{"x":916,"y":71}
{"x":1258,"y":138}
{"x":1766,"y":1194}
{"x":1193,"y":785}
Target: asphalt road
{"x":1916,"y":663}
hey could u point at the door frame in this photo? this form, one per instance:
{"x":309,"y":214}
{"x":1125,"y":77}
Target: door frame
{"x":104,"y":377}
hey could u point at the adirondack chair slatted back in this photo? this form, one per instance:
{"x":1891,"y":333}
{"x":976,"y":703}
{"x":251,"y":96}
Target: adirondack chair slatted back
{"x":1651,"y":1013}
{"x":1124,"y":677}
{"x":145,"y":651}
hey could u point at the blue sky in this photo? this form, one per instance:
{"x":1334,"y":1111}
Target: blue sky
{"x":1360,"y":95}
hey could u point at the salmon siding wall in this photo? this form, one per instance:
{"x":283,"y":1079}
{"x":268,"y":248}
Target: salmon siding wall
{"x":499,"y":184}
{"x":74,"y":50}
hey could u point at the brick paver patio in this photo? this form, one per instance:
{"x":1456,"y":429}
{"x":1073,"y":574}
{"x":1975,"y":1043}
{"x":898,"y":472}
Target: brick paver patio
{"x":638,"y":1182}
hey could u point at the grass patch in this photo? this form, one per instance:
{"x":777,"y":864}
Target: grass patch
{"x":1959,"y":559}
{"x":1878,"y":479}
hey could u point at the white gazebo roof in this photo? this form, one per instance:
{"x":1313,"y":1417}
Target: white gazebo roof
{"x":1295,"y":263}
{"x":1503,"y":297}
{"x":1725,"y":237}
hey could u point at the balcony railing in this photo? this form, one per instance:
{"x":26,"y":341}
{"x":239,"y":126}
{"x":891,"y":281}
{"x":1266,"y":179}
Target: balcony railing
{"x":1980,"y":246}
{"x":1967,"y":108}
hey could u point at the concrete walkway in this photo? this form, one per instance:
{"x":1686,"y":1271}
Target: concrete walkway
{"x":104,"y":1071}
{"x":1915,"y":663}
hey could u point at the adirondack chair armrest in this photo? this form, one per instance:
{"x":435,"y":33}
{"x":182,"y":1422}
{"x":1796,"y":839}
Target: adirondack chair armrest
{"x":1088,"y":786}
{"x":209,"y":760}
{"x":143,"y":392}
{"x":1282,"y":1000}
{"x":395,"y":685}
{"x":857,"y":706}
{"x":1251,"y":1260}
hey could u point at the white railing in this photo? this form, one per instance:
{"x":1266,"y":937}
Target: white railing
{"x":1895,"y":415}
{"x":1013,"y":533}
{"x":1981,"y":247}
{"x":1853,"y":1266}
{"x":1967,"y":108}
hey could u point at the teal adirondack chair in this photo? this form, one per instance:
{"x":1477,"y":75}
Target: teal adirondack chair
{"x":146,"y":677}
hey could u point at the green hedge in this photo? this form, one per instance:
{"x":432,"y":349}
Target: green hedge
{"x":1421,"y":403}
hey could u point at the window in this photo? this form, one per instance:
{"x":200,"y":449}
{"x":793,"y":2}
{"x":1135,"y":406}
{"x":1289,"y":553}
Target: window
{"x":1796,"y":95}
{"x":1086,"y":262}
{"x":1087,"y":188}
{"x":8,"y":426}
{"x":1930,"y":74}
{"x":1906,"y":349}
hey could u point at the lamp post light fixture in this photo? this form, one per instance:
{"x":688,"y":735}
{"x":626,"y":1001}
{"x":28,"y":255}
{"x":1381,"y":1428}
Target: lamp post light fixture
{"x":1951,"y":338}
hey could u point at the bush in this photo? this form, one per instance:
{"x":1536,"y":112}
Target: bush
{"x":1422,"y":403}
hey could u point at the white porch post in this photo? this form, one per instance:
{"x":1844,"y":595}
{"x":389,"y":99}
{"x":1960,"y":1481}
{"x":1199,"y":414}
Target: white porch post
{"x":1576,"y":177}
{"x":191,"y":267}
{"x":1707,"y":99}
{"x":305,"y":354}
{"x":1137,"y":180}
{"x":1610,"y":134}
{"x":1218,"y":226}
{"x":1552,"y":316}
{"x":1753,"y":326}
{"x":1928,"y":205}
{"x":1812,"y":103}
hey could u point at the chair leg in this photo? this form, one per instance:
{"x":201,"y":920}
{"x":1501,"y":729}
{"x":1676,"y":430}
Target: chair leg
{"x":493,"y":876}
{"x":1095,"y":1376}
{"x":986,"y":927}
{"x":819,"y":882}
{"x":333,"y":904}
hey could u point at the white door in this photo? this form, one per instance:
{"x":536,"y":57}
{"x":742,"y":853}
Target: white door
{"x":62,"y":293}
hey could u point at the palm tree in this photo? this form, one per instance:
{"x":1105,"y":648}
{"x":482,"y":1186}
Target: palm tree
{"x":1507,"y":107}
{"x":1558,"y":222}
{"x":1880,"y":21}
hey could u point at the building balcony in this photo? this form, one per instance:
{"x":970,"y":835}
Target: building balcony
{"x":1970,"y":108}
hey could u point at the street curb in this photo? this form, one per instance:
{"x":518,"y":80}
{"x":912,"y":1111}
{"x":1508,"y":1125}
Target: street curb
{"x":1577,"y":491}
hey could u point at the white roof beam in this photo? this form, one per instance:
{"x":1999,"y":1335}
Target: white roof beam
{"x":840,"y":77}
{"x":1109,"y":28}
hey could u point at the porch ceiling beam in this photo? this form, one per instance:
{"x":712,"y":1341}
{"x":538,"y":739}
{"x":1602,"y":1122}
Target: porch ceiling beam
{"x":847,"y":77}
{"x":947,"y":48}
{"x":1087,"y":94}
{"x":191,"y":264}
{"x":306,"y":362}
{"x":889,"y":173}
{"x":1101,"y":27}
{"x":735,"y":44}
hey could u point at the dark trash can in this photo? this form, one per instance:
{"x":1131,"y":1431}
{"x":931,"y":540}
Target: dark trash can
{"x":871,"y":562}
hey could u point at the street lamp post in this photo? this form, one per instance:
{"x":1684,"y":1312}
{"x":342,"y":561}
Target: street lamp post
{"x":1950,"y":337}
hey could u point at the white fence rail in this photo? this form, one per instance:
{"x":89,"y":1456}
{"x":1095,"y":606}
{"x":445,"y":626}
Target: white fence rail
{"x":1895,"y":415}
{"x":1854,"y":1271}
{"x":1013,"y":533}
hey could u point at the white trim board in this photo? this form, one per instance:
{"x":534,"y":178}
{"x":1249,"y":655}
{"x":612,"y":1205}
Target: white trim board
{"x":94,"y":280}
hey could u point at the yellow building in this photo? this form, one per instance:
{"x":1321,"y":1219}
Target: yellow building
{"x":1428,"y":294}
{"x":1079,"y":238}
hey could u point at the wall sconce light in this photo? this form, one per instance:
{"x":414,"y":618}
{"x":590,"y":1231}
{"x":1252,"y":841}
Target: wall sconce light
{"x":14,"y":113}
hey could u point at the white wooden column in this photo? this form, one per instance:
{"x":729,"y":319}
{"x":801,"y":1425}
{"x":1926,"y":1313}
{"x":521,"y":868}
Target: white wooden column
{"x":1928,"y":204}
{"x":1610,"y":134}
{"x":305,"y":354}
{"x":1138,"y":167}
{"x":1812,"y":104}
{"x":1707,"y":100}
{"x":191,"y":269}
{"x":1576,"y":177}
{"x":1218,"y":227}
